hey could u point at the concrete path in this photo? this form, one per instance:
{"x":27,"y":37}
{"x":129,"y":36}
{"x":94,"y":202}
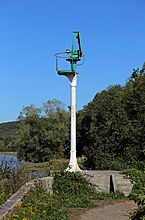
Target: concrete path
{"x":117,"y":211}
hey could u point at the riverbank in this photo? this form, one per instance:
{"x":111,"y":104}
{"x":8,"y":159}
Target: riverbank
{"x":9,"y":153}
{"x":46,"y":167}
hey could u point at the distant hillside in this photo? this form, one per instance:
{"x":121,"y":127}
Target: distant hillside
{"x":8,"y":127}
{"x":7,"y":133}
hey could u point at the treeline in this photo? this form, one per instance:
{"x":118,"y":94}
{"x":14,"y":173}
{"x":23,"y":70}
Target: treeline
{"x":110,"y":129}
{"x":7,"y":135}
{"x":43,"y":133}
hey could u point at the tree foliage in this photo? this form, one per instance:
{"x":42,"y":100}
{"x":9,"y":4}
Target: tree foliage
{"x":111,"y":128}
{"x":7,"y":134}
{"x":43,"y":132}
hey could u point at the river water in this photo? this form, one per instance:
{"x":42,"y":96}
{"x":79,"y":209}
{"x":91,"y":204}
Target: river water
{"x":8,"y":160}
{"x":13,"y":162}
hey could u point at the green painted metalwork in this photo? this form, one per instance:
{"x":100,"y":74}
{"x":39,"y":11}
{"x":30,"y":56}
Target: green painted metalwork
{"x":73,"y":56}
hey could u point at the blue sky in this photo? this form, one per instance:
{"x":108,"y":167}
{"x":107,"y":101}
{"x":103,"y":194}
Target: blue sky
{"x":32,"y":31}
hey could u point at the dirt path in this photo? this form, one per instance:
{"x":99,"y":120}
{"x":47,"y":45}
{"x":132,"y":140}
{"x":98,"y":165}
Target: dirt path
{"x":117,"y":211}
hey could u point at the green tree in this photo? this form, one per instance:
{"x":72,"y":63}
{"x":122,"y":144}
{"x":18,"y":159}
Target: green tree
{"x":107,"y":129}
{"x":134,"y":98}
{"x":43,"y":132}
{"x":111,"y":127}
{"x":57,"y":133}
{"x":7,"y":135}
{"x":84,"y":120}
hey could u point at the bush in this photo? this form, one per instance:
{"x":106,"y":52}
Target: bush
{"x":38,"y":204}
{"x":73,"y":190}
{"x":139,"y":213}
{"x":137,"y":177}
{"x":11,"y":179}
{"x":138,"y":193}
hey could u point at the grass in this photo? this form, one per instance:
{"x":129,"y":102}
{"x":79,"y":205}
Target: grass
{"x":9,"y":153}
{"x":53,"y":164}
{"x":11,"y":180}
{"x":46,"y":167}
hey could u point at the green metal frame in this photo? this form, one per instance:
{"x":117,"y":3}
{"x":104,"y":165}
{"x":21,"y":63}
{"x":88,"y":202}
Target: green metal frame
{"x":75,"y":54}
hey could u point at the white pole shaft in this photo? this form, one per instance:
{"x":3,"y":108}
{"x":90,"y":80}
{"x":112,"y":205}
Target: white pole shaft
{"x":73,"y":119}
{"x":73,"y":166}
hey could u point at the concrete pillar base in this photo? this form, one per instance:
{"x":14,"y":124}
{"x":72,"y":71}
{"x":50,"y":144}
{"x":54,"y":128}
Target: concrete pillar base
{"x":73,"y":168}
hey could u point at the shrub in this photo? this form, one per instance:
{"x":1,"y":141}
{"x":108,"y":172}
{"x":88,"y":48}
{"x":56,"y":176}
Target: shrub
{"x":11,"y":179}
{"x":137,"y":177}
{"x":73,"y":190}
{"x":38,"y":204}
{"x":138,"y":192}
